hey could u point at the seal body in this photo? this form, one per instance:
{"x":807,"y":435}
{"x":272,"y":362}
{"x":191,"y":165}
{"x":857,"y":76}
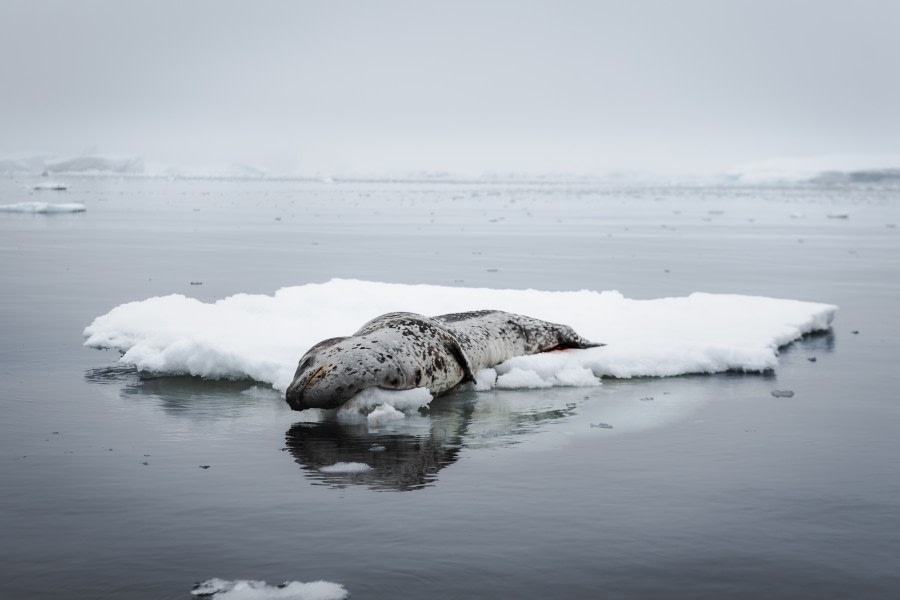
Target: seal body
{"x":402,"y":351}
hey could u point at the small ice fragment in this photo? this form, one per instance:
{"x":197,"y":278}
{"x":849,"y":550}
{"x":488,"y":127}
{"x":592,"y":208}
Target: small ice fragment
{"x":377,"y":448}
{"x":783,"y":393}
{"x":43,"y":207}
{"x":52,"y":186}
{"x":246,"y":589}
{"x":346,"y":467}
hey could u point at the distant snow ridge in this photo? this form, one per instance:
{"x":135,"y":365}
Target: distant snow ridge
{"x":37,"y":164}
{"x":246,"y":589}
{"x":262,"y":337}
{"x":103,"y":164}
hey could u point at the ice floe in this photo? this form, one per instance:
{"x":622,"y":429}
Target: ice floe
{"x":262,"y":337}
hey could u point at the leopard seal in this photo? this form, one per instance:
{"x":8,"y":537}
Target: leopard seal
{"x":402,"y":351}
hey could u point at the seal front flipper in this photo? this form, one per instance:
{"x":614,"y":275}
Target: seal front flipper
{"x":454,"y":348}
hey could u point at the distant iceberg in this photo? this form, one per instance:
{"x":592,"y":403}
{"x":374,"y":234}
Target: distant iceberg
{"x":231,"y":171}
{"x":43,"y":207}
{"x":96,"y":164}
{"x":819,"y":168}
{"x":22,"y":163}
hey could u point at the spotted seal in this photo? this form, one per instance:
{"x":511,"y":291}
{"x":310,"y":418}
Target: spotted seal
{"x":402,"y":351}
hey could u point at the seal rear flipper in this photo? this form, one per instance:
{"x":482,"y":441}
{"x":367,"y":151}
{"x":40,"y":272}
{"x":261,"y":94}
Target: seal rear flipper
{"x":581,"y":345}
{"x":569,"y":339}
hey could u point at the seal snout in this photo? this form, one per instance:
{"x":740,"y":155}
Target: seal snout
{"x":296,"y":393}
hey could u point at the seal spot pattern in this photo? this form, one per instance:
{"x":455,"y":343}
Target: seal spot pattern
{"x":403,"y":351}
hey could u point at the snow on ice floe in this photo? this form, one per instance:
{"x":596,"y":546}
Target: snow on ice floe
{"x":43,"y":207}
{"x":248,"y":589}
{"x":262,"y":337}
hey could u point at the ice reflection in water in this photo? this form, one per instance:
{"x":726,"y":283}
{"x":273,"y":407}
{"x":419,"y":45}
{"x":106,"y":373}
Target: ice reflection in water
{"x":186,"y":396}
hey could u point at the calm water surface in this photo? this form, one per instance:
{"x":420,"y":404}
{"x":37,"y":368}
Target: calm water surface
{"x":703,"y":486}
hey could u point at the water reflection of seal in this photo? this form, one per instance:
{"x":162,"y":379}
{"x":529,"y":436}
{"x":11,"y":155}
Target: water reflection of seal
{"x":402,"y":351}
{"x":396,"y":461}
{"x":411,"y":455}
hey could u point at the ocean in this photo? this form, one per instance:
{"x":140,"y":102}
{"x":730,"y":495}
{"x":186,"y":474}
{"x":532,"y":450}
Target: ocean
{"x":698,"y":486}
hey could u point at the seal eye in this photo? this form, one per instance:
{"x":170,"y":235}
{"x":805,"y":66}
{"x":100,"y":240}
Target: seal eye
{"x":304,"y":364}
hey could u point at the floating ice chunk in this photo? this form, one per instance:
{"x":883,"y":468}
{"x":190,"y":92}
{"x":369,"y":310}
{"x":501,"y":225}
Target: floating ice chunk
{"x":246,"y":589}
{"x":346,"y":467}
{"x":388,"y":403}
{"x":384,"y":413}
{"x":43,"y":207}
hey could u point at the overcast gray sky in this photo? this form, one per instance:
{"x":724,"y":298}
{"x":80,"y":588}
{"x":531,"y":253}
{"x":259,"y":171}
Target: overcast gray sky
{"x":365,"y":87}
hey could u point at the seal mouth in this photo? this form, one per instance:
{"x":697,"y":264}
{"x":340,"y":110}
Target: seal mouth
{"x":296,"y":395}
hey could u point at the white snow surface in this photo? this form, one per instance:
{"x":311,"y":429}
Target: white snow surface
{"x":262,"y":337}
{"x":248,"y":589}
{"x":43,"y":207}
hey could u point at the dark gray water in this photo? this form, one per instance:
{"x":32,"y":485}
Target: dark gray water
{"x":698,"y":486}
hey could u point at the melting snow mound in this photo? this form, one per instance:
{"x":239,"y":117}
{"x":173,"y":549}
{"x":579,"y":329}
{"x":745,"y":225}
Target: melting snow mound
{"x":262,"y":337}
